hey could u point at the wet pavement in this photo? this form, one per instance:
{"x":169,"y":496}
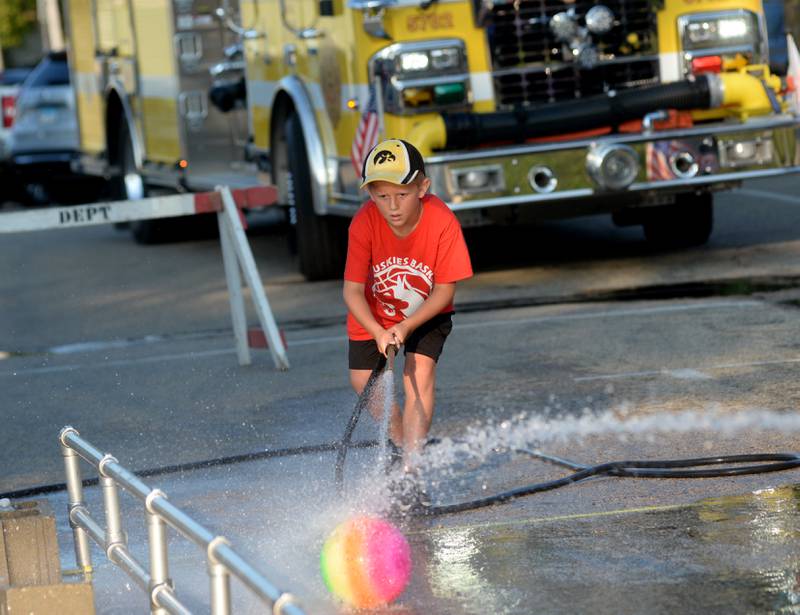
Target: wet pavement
{"x":577,"y":340}
{"x":723,"y":555}
{"x":587,"y":548}
{"x":592,"y":383}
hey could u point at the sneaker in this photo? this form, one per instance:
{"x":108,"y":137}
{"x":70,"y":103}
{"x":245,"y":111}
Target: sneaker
{"x":407,"y":497}
{"x":394,"y":457}
{"x":420,"y":501}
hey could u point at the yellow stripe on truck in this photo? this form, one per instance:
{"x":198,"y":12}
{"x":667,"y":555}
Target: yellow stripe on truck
{"x":81,"y":57}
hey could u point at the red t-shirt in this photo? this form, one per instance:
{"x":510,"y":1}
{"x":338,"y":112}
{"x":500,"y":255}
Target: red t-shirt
{"x":399,"y":273}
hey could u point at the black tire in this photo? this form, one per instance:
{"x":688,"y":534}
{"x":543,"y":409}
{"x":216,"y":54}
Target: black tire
{"x":687,"y":223}
{"x":34,"y":194}
{"x":321,"y":240}
{"x":76,"y":190}
{"x":143,"y":231}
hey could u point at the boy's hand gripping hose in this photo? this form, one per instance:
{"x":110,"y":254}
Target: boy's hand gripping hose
{"x":361,"y":403}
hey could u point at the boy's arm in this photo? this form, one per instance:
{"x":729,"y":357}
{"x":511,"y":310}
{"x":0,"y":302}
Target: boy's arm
{"x":441,"y":297}
{"x":356,"y":302}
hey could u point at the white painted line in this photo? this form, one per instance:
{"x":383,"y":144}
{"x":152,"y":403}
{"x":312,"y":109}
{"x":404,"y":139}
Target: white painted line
{"x":96,"y":346}
{"x":318,"y":340}
{"x":645,"y":311}
{"x":167,"y":357}
{"x":757,"y":363}
{"x":765,"y":194}
{"x":82,"y":347}
{"x":689,"y":374}
{"x":42,"y":370}
{"x":684,"y":372}
{"x":35,"y":371}
{"x":621,"y":375}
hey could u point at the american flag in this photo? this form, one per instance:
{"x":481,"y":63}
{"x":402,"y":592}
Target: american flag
{"x":658,"y":155}
{"x":366,"y":134}
{"x":793,"y":72}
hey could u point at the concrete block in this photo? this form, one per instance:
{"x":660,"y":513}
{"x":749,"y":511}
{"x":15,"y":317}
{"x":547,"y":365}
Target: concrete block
{"x":58,"y":599}
{"x":28,"y":545}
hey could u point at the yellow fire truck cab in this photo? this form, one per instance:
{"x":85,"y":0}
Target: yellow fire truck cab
{"x":524,"y":109}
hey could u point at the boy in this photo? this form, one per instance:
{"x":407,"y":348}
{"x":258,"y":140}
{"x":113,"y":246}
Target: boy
{"x":405,"y":254}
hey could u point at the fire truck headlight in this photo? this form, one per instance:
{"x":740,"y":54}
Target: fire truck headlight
{"x":414,"y":61}
{"x":612,"y":167}
{"x":423,"y":58}
{"x":448,"y":58}
{"x":723,"y":34}
{"x":473,"y":180}
{"x":431,"y":60}
{"x":423,"y":76}
{"x":734,"y":153}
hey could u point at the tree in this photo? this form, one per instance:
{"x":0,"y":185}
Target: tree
{"x":17,"y":17}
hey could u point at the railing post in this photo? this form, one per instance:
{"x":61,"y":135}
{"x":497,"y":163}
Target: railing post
{"x":223,"y":561}
{"x":159,"y":561}
{"x":220,"y":580}
{"x":114,"y":533}
{"x":83,"y":556}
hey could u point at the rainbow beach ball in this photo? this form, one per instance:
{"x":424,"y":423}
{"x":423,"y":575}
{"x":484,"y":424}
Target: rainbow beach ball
{"x":366,"y":562}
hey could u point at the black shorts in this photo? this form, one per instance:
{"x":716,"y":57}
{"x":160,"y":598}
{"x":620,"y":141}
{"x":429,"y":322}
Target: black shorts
{"x":428,"y":339}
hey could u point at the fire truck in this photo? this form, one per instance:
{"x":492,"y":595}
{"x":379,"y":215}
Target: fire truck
{"x":523,"y":109}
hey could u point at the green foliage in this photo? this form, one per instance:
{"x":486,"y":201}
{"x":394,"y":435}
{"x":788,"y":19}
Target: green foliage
{"x":16,"y":18}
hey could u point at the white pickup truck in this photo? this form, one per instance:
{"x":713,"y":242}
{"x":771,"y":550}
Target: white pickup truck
{"x":10,"y":81}
{"x":44,"y":137}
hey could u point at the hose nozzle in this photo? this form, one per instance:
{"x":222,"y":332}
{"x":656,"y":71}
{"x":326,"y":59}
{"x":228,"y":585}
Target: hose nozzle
{"x":391,"y":352}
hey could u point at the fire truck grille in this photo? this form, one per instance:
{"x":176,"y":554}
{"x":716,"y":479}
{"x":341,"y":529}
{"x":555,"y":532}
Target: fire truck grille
{"x":531,"y":67}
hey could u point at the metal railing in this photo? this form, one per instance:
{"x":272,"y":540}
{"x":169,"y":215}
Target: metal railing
{"x":223,"y":561}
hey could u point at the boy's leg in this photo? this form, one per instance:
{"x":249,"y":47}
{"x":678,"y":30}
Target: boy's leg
{"x":358,"y":380}
{"x":422,"y":350}
{"x":419,"y":380}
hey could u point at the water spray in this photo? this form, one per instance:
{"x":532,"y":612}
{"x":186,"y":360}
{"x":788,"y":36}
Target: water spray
{"x":699,"y":467}
{"x":384,"y":364}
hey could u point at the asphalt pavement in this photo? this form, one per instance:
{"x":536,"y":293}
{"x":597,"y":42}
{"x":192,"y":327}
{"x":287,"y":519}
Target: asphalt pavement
{"x":573,"y":338}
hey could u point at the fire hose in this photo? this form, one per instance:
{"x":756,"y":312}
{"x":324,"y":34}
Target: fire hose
{"x":698,"y":467}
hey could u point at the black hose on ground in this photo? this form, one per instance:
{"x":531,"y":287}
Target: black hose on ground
{"x":668,"y":468}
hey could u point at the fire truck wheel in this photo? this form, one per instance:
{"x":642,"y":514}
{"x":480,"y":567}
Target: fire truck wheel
{"x":129,"y":185}
{"x":687,"y":223}
{"x":321,"y":240}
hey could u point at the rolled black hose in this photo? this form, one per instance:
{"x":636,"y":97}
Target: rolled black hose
{"x":611,"y":109}
{"x":767,"y":462}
